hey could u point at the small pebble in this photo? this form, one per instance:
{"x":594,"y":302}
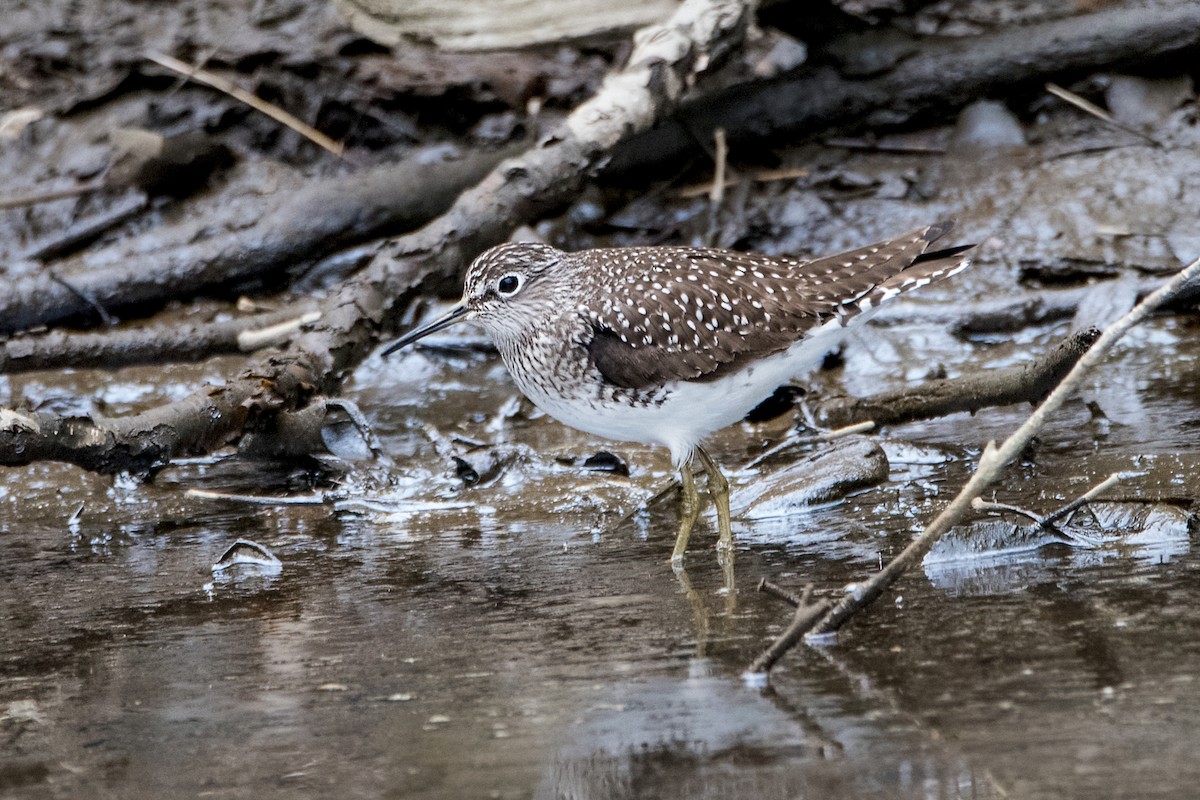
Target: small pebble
{"x":986,"y":125}
{"x":1142,"y":102}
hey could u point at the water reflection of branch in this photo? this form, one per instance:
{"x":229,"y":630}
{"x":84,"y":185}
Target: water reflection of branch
{"x":878,"y":697}
{"x":824,"y":743}
{"x":806,"y":615}
{"x":994,"y":460}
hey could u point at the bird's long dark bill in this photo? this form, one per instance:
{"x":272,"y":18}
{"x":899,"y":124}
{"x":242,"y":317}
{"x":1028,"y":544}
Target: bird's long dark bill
{"x":452,"y":316}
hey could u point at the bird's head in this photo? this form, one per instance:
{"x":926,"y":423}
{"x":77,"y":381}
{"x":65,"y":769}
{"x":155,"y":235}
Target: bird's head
{"x":507,"y":288}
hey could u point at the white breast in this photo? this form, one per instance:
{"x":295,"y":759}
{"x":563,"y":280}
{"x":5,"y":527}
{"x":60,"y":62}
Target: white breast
{"x":688,"y":411}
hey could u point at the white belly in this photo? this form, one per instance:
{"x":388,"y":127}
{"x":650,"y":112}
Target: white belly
{"x":690,"y":411}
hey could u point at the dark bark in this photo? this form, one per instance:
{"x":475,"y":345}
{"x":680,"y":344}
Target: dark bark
{"x":145,"y":344}
{"x":322,"y":218}
{"x":805,"y":616}
{"x":940,"y":77}
{"x":1025,"y":383}
{"x":196,"y":424}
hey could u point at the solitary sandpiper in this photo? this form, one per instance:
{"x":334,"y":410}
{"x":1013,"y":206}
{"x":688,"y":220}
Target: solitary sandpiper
{"x":665,"y":345}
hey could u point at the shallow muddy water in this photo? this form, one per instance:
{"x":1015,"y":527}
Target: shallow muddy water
{"x":525,"y":637}
{"x":481,"y":613}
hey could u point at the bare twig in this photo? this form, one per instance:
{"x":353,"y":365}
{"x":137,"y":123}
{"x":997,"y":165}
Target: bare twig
{"x":775,"y":590}
{"x":1082,"y":500}
{"x":758,"y":176}
{"x":257,"y":103}
{"x":869,"y":144}
{"x":83,"y":294}
{"x":720,"y":158}
{"x":805,"y":616}
{"x":87,"y":229}
{"x":253,"y":339}
{"x":1096,"y":111}
{"x":847,"y":430}
{"x":1048,"y":520}
{"x":822,"y":436}
{"x":991,"y":506}
{"x":48,"y":195}
{"x":315,"y":499}
{"x":338,"y":501}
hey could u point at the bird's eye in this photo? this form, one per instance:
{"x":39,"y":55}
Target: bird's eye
{"x":509,"y":285}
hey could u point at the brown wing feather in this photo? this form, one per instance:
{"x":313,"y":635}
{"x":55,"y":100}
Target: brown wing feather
{"x":696,"y":314}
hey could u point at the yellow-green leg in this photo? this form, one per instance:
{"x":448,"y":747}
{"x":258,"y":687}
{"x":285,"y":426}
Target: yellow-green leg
{"x":689,"y":509}
{"x":718,"y":488}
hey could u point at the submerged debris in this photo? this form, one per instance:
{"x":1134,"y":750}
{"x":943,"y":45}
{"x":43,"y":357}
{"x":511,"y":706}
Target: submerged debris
{"x":246,"y":553}
{"x":829,"y":475}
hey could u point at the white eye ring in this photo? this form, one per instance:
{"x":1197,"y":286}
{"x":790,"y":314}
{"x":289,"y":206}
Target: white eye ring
{"x":509,"y":285}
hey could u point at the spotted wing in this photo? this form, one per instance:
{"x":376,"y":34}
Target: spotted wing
{"x":696,"y":314}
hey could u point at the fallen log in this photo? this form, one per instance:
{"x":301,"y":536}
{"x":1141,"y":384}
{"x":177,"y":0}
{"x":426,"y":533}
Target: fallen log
{"x":323,"y":217}
{"x":931,"y":83}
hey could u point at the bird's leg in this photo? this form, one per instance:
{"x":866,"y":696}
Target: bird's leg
{"x":689,"y":509}
{"x":718,"y":487}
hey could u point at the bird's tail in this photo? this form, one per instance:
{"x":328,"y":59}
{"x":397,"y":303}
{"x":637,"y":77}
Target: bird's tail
{"x":882,"y":271}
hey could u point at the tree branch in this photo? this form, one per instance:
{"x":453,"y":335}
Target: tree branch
{"x":145,"y":344}
{"x":1024,"y":383}
{"x":935,"y":79}
{"x":319,"y":219}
